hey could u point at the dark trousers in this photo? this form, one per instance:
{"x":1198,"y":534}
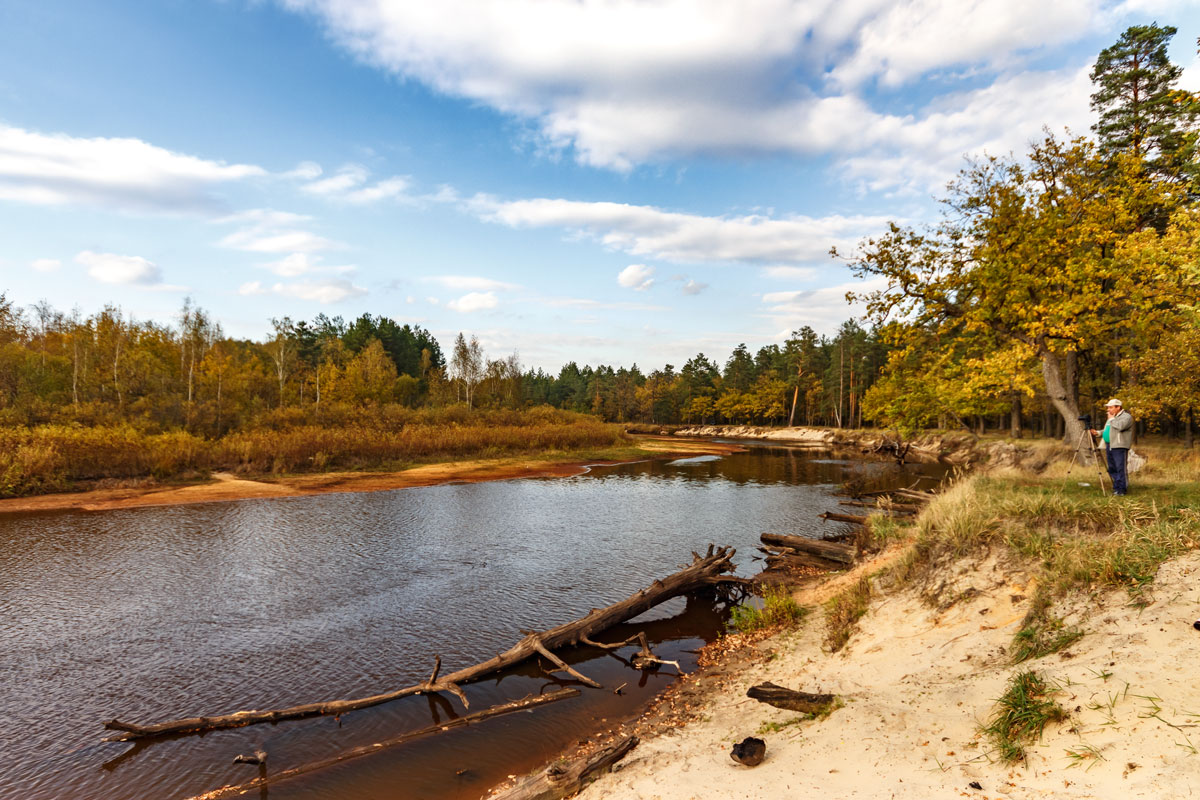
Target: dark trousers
{"x":1116,"y":468}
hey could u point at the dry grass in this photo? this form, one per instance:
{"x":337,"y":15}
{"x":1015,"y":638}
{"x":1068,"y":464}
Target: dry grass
{"x":51,"y":458}
{"x":844,"y":610}
{"x":1073,"y":537}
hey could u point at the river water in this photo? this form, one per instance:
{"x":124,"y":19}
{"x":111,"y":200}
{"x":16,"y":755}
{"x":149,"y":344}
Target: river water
{"x":157,"y":613}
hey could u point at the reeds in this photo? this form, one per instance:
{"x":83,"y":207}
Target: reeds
{"x":49,"y":458}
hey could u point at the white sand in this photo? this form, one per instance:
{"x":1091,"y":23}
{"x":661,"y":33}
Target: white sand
{"x":917,"y":684}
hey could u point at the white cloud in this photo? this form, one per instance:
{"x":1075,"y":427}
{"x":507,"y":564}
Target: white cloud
{"x":580,"y":302}
{"x":333,"y":290}
{"x":471,"y":283}
{"x":913,"y":37}
{"x":638,"y":277}
{"x":1002,"y":118}
{"x":45,"y":264}
{"x":125,"y":174}
{"x":297,"y":264}
{"x":265,"y":230}
{"x":113,"y":268}
{"x":674,"y":236}
{"x":473,"y":301}
{"x":349,"y":185}
{"x":304,"y":171}
{"x":693,"y":287}
{"x":790,"y":273}
{"x":623,"y":82}
{"x":822,"y":309}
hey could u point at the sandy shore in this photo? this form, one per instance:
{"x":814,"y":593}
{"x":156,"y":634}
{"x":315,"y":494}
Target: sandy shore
{"x":917,"y":682}
{"x":225,"y":486}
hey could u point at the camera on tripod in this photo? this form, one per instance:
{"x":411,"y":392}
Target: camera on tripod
{"x":1086,"y":419}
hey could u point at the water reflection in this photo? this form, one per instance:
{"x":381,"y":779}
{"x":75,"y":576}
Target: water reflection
{"x":152,"y":613}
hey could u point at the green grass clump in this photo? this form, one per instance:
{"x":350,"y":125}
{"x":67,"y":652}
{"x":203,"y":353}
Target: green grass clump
{"x":779,"y":609}
{"x":843,"y":611}
{"x":1042,"y":633}
{"x":1021,"y":715}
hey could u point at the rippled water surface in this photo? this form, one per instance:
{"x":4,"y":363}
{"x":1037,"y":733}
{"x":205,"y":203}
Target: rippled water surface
{"x":157,"y":613}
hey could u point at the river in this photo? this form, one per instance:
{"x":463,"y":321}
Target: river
{"x":155,"y":613}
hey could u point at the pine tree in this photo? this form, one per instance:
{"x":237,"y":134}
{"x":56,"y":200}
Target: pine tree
{"x":1141,"y":111}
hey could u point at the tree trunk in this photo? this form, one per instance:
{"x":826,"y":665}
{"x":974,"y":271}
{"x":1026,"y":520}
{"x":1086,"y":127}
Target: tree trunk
{"x":262,"y":782}
{"x":705,"y":571}
{"x":1059,"y":375}
{"x":1189,"y":435}
{"x":1014,"y":425}
{"x":829,"y":551}
{"x":562,"y":780}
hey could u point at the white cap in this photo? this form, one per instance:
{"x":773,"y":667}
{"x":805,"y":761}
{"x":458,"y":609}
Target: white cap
{"x":1113,"y":402}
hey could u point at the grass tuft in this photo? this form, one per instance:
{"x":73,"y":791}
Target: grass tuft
{"x":843,"y":611}
{"x":779,"y":610}
{"x":1041,"y":632}
{"x":1021,"y":715}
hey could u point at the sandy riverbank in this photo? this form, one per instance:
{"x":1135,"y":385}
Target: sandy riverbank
{"x":917,"y":684}
{"x":225,"y":486}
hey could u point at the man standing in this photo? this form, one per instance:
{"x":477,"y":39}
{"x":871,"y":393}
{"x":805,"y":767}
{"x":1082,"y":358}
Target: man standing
{"x":1118,"y":438}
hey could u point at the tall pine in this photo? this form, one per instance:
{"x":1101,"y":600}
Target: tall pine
{"x":1140,"y":110}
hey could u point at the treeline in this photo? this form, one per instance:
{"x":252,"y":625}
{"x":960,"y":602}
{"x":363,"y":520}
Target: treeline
{"x":109,"y":369}
{"x":808,"y":380}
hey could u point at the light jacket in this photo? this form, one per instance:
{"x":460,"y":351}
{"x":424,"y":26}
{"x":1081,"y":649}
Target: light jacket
{"x":1120,"y":431}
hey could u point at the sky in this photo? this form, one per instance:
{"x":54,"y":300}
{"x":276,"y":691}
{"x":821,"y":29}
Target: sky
{"x":598,"y":181}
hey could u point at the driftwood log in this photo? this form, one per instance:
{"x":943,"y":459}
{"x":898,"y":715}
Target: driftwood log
{"x":836,"y":517}
{"x":804,"y":702}
{"x":837,"y":552}
{"x":557,"y":781}
{"x":883,"y":505}
{"x":525,"y":703}
{"x":704,"y":571}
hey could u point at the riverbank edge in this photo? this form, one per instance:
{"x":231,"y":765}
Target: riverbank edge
{"x":919,"y":679}
{"x":225,"y":487}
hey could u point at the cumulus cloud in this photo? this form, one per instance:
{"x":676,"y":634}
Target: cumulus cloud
{"x":679,"y":237}
{"x":624,"y":82}
{"x":638,"y":277}
{"x":350,"y":184}
{"x":45,"y":264}
{"x":693,"y":287}
{"x":265,"y":230}
{"x":473,"y":301}
{"x":119,"y":269}
{"x":125,"y":174}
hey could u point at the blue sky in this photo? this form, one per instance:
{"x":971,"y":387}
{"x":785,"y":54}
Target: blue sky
{"x":605,"y":181}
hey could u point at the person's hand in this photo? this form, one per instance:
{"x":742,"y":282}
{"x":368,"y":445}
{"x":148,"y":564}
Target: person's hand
{"x":1094,"y":432}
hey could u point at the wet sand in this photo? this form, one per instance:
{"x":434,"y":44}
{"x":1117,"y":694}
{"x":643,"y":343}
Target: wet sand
{"x":225,"y":486}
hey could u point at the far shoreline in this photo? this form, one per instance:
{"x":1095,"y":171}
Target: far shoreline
{"x":225,"y":487}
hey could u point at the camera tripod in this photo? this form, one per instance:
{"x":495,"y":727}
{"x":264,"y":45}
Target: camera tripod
{"x":1091,"y":442}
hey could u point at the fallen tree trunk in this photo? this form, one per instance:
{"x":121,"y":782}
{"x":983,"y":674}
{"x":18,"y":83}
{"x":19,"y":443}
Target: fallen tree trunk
{"x":523,"y":704}
{"x":829,"y":551}
{"x":883,"y":505}
{"x":783,"y":558}
{"x":707,"y":570}
{"x":557,"y":781}
{"x":804,"y":702}
{"x":832,"y":515}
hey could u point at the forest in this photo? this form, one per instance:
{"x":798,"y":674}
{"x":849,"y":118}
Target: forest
{"x":1054,"y":280}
